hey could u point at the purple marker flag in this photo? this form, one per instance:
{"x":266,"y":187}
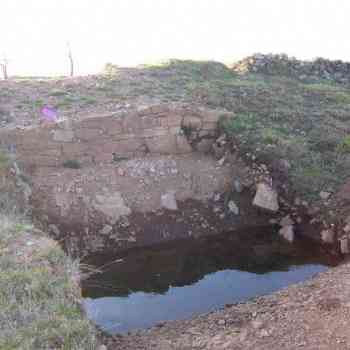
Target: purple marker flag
{"x":49,"y":114}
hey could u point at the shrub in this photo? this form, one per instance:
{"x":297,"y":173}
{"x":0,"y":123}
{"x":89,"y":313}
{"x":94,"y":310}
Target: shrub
{"x":237,"y":124}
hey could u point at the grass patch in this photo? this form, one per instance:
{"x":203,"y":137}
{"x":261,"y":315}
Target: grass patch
{"x":38,"y":306}
{"x":344,"y":146}
{"x":88,"y":100}
{"x":38,"y":295}
{"x":58,"y":93}
{"x":38,"y":299}
{"x":72,"y":164}
{"x":4,"y":160}
{"x":238,"y":124}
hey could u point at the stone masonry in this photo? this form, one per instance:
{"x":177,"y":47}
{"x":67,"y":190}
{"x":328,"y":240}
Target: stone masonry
{"x":158,"y":129}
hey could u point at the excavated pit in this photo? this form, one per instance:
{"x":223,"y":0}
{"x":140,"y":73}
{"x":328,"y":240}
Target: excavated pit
{"x":150,"y":198}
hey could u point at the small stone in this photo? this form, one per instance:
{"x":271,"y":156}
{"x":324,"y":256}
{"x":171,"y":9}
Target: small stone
{"x":347,"y":228}
{"x":257,"y":324}
{"x":106,"y":230}
{"x":327,"y":236}
{"x":121,"y":172}
{"x":238,"y":187}
{"x":286,"y":221}
{"x":221,"y":322}
{"x":221,"y":140}
{"x":54,"y":229}
{"x":222,"y":161}
{"x":266,"y":198}
{"x":325,"y":195}
{"x":168,"y":201}
{"x":216,"y":197}
{"x":344,"y":245}
{"x":204,"y":146}
{"x":264,"y":333}
{"x":287,"y":232}
{"x":243,"y":335}
{"x":313,"y":211}
{"x":233,"y":207}
{"x":297,"y":201}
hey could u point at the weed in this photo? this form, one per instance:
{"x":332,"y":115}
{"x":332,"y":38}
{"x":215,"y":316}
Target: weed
{"x":72,"y":164}
{"x":4,"y":159}
{"x":57,"y":93}
{"x":344,"y":146}
{"x":89,"y":100}
{"x":271,"y":136}
{"x":238,"y":123}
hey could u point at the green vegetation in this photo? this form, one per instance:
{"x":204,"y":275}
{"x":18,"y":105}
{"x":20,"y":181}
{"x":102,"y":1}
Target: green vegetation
{"x":275,"y":115}
{"x":72,"y":164}
{"x":58,"y":93}
{"x":38,"y":290}
{"x":344,"y":146}
{"x":4,"y":160}
{"x":237,"y":124}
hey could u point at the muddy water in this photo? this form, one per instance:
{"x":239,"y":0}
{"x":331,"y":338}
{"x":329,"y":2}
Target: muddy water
{"x":143,"y":287}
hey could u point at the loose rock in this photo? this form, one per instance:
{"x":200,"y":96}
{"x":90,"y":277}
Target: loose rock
{"x":324,"y":195}
{"x":327,"y":236}
{"x":168,"y":201}
{"x":287,"y":232}
{"x":286,"y":221}
{"x":238,"y":187}
{"x":344,"y":245}
{"x":233,"y":207}
{"x":266,"y":198}
{"x":106,"y":230}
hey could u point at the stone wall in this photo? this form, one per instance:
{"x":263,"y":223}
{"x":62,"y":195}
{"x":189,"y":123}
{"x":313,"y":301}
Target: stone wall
{"x":308,"y":71}
{"x":158,"y":129}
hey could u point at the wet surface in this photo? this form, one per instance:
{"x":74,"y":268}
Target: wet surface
{"x":143,"y":287}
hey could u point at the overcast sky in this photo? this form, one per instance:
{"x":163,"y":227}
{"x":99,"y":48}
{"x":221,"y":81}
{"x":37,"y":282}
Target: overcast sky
{"x":33,"y":33}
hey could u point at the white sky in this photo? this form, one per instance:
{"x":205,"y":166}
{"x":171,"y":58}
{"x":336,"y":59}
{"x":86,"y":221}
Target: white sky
{"x":33,"y":33}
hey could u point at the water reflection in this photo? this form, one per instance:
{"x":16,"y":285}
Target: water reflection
{"x":176,"y":281}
